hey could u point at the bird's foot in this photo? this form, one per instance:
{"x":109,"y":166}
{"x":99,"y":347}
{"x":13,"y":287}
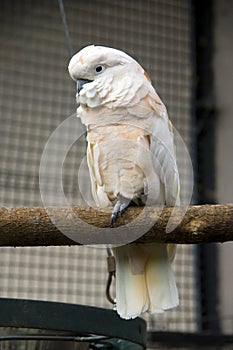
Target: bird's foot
{"x":120,"y":207}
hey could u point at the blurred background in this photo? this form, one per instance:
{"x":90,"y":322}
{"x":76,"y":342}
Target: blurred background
{"x":186,"y":48}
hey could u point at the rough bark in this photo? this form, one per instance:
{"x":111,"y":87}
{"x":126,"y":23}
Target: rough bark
{"x":33,"y":227}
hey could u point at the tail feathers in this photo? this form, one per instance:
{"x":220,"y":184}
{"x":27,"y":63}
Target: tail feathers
{"x":131,"y":291}
{"x":160,"y":279}
{"x":152,"y":289}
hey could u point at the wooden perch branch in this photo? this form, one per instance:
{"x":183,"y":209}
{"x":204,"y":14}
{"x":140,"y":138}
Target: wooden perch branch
{"x":33,"y":227}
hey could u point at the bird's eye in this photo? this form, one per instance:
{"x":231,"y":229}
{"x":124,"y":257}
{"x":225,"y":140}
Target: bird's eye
{"x":99,"y":69}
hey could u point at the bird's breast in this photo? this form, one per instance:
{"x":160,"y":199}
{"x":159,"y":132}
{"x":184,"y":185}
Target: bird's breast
{"x":121,"y":157}
{"x":103,"y":133}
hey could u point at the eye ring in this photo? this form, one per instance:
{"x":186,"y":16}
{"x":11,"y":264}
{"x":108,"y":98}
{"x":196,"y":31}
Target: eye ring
{"x":99,"y":69}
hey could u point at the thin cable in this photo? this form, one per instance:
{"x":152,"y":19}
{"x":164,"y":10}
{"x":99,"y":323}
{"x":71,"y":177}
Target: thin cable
{"x":66,"y":29}
{"x":110,"y":258}
{"x":111,"y":273}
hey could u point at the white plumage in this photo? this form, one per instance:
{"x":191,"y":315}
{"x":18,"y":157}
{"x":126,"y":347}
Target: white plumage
{"x":130,"y":155}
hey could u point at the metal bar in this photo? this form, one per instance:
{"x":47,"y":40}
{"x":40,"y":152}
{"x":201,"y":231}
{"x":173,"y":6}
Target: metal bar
{"x":181,"y":340}
{"x":105,"y":342}
{"x":73,"y":338}
{"x":193,"y":154}
{"x":78,"y":319}
{"x":205,"y":121}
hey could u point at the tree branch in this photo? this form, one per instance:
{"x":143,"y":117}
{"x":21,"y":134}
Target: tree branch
{"x":33,"y":227}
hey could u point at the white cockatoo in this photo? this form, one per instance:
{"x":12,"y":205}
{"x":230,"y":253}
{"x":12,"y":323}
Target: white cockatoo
{"x":130,"y":151}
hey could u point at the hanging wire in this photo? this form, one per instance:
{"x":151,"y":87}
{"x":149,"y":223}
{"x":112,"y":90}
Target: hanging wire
{"x":66,"y":29}
{"x":111,"y":273}
{"x":110,"y":258}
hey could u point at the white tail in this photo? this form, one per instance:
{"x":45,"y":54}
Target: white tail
{"x":144,"y":280}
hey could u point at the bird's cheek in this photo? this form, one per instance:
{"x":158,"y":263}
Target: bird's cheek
{"x":91,"y":93}
{"x":89,"y":98}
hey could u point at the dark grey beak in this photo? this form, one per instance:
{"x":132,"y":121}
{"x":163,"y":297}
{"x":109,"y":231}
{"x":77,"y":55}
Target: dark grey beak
{"x":81,"y":82}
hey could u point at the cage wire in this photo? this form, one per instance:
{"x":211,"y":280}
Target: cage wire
{"x":37,"y":95}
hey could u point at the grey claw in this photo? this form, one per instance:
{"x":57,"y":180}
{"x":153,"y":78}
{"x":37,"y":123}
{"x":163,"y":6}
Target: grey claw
{"x":119,"y":207}
{"x":113,"y":219}
{"x":123,"y":207}
{"x":122,"y":212}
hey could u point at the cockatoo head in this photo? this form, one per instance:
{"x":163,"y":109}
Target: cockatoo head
{"x":92,"y":61}
{"x":105,"y":76}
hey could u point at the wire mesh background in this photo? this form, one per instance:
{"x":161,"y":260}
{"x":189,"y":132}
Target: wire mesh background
{"x":36,"y":95}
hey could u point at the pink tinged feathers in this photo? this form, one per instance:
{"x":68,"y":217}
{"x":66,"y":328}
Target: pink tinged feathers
{"x":130,"y":149}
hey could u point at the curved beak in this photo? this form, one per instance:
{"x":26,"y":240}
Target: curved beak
{"x":81,"y":82}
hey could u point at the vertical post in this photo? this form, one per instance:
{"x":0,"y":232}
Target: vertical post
{"x":205,"y":150}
